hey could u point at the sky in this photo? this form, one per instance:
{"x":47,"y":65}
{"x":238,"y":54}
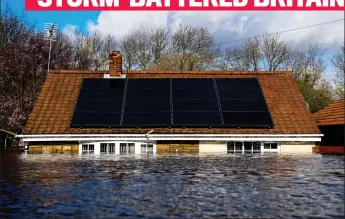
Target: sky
{"x":225,"y":26}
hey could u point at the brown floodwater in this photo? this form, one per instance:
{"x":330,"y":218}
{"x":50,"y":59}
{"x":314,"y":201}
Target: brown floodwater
{"x":171,"y":186}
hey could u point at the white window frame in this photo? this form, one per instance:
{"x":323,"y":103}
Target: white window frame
{"x":108,"y":146}
{"x":127,"y":148}
{"x":262,"y":149}
{"x":146,"y":151}
{"x":136,"y":148}
{"x":88,"y":151}
{"x":277,"y":150}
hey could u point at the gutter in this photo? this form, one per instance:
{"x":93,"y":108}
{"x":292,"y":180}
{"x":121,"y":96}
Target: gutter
{"x":157,"y":137}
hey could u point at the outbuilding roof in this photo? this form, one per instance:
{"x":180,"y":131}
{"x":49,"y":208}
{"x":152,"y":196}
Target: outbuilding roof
{"x":333,"y":114}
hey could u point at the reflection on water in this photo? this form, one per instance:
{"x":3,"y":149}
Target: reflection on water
{"x":170,"y":186}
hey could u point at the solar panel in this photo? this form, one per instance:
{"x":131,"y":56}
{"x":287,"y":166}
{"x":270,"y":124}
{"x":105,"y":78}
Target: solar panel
{"x":238,"y":83}
{"x":187,"y":83}
{"x":160,"y":119}
{"x":194,"y":119}
{"x":240,"y":94}
{"x":99,"y":103}
{"x":147,"y":106}
{"x":148,"y":94}
{"x":247,"y":119}
{"x":195,"y":105}
{"x":194,"y":93}
{"x":139,"y":84}
{"x":171,"y":102}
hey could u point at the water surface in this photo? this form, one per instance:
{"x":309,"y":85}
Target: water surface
{"x":171,"y":186}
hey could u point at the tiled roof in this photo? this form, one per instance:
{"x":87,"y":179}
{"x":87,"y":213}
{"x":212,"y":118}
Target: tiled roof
{"x":56,"y":102}
{"x":333,"y":114}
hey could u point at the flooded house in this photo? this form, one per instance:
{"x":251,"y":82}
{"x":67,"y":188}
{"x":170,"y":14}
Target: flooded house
{"x":149,"y":112}
{"x":331,"y":123}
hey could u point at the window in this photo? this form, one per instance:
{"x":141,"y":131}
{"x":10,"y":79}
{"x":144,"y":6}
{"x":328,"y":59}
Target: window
{"x":248,"y":146}
{"x":146,"y":148}
{"x":267,"y":146}
{"x":143,"y":148}
{"x":123,"y":148}
{"x":107,"y":148}
{"x":256,"y":147}
{"x":231,"y":146}
{"x":234,"y":147}
{"x":111,"y":148}
{"x":88,"y":148}
{"x":251,"y":147}
{"x":273,"y":147}
{"x":238,"y":147}
{"x":103,"y":148}
{"x":127,"y":148}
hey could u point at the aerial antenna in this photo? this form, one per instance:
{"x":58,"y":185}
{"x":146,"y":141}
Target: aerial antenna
{"x":50,"y":33}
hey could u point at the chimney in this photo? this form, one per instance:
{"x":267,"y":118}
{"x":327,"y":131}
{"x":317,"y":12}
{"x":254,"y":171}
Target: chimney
{"x":115,"y":64}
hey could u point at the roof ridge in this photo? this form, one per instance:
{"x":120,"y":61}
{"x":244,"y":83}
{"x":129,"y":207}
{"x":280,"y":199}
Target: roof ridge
{"x":67,"y":71}
{"x":330,"y":106}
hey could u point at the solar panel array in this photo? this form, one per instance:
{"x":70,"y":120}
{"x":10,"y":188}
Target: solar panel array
{"x":171,"y":103}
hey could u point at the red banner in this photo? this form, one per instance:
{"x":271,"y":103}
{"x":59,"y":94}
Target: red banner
{"x":184,"y":5}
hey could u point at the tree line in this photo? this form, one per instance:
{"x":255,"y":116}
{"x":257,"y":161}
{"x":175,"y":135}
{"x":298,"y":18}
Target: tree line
{"x":24,"y":55}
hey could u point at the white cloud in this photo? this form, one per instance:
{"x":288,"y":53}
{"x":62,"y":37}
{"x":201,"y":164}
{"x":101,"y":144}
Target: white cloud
{"x":69,"y":29}
{"x":121,"y":23}
{"x":228,"y":26}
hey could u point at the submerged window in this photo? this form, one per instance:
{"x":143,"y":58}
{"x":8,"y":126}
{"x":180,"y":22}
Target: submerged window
{"x":103,"y":148}
{"x":234,"y":147}
{"x":111,"y":148}
{"x":146,"y":148}
{"x":127,"y":148}
{"x":231,"y":146}
{"x":270,"y":146}
{"x":238,"y":146}
{"x":251,"y":147}
{"x":88,"y":148}
{"x":248,"y":146}
{"x":256,"y":147}
{"x":107,"y":148}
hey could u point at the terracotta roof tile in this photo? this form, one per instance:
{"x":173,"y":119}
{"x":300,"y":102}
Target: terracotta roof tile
{"x":333,"y":114}
{"x":56,"y":102}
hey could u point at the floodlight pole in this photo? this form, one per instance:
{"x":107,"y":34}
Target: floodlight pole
{"x":50,"y":35}
{"x":50,"y":50}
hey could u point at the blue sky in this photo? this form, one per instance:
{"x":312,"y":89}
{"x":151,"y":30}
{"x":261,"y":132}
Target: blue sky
{"x":62,"y":18}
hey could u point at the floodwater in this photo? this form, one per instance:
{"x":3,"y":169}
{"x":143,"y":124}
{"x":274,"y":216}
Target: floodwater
{"x":171,"y":186}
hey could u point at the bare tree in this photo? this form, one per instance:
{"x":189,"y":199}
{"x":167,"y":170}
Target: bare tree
{"x":339,"y":64}
{"x":192,"y":46}
{"x":275,"y":53}
{"x":128,"y":48}
{"x":22,"y":68}
{"x":62,"y":52}
{"x":144,"y":47}
{"x":233,"y":59}
{"x":91,"y":51}
{"x":252,"y":53}
{"x":81,"y":58}
{"x":160,"y":42}
{"x":308,"y":66}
